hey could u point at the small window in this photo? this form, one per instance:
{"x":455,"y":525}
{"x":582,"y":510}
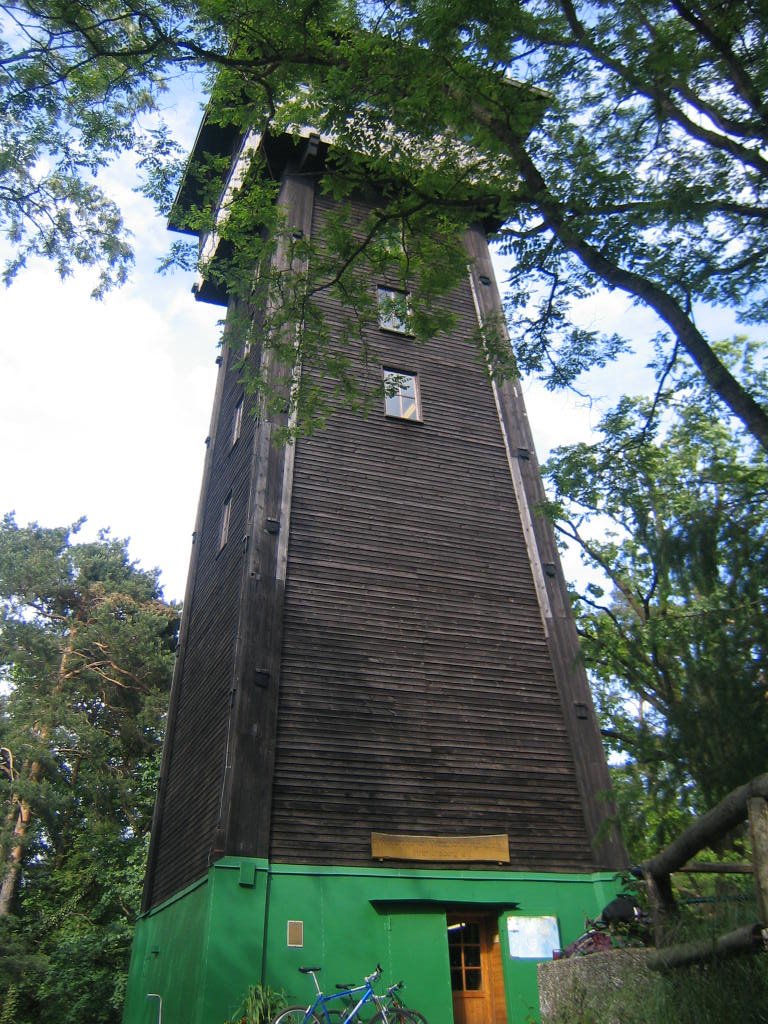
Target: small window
{"x":401,"y":395}
{"x":393,"y":310}
{"x":388,"y":245}
{"x":226,"y":514}
{"x":237,"y":422}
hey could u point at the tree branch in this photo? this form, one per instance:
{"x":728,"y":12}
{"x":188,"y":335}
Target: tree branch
{"x":723,"y":383}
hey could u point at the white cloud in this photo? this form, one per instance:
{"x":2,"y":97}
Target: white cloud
{"x":104,"y":409}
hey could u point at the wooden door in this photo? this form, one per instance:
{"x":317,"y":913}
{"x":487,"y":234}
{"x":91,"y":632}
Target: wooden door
{"x":477,"y":983}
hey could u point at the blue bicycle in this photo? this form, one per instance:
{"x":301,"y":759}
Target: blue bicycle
{"x":344,"y":1006}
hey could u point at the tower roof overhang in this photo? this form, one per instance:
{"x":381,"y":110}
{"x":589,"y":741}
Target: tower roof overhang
{"x":223,"y":153}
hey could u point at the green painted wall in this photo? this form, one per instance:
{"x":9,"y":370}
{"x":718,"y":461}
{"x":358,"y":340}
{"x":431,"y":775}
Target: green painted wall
{"x":202,"y":949}
{"x":163,"y":963}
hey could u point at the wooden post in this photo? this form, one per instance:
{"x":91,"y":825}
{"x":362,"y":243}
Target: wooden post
{"x":758,"y":829}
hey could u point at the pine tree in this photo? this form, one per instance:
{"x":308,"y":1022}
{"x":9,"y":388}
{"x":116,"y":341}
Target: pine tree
{"x":86,"y":648}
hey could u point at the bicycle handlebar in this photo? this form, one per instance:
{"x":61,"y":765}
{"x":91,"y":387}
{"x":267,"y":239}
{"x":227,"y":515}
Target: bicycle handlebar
{"x":344,"y":988}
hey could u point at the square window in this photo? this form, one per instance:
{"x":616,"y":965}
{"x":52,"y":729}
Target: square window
{"x":394,"y":313}
{"x":389,"y":242}
{"x":401,"y":395}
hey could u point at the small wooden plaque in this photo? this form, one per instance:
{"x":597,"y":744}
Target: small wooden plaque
{"x":493,"y":849}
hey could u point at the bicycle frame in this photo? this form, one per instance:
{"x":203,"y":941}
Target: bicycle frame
{"x":319,"y":1006}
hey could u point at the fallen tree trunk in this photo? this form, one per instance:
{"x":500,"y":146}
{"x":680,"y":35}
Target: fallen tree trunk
{"x":747,"y":939}
{"x":657,"y":871}
{"x":715,"y":867}
{"x":729,"y":813}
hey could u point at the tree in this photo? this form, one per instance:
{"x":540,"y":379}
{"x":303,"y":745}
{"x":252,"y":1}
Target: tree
{"x":644,"y":170}
{"x":86,"y":648}
{"x":668,"y":507}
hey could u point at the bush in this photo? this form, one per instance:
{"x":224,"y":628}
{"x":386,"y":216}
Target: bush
{"x":260,"y":1005}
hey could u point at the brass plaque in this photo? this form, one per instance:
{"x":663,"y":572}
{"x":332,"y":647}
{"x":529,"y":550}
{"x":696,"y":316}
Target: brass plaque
{"x":453,"y":848}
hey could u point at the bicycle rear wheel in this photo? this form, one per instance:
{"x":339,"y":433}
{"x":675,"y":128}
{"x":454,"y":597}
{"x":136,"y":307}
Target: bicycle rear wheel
{"x":296,"y":1015}
{"x":392,"y":1016}
{"x":414,"y":1017}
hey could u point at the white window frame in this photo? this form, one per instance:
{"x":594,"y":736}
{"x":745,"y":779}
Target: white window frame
{"x":390,"y":318}
{"x":405,"y":402}
{"x":226,"y":517}
{"x":237,"y":421}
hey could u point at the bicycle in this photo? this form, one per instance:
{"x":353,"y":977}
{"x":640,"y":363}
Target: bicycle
{"x":318,"y":1011}
{"x":393,"y":1001}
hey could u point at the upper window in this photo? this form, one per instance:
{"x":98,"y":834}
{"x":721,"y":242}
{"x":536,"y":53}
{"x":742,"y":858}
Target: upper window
{"x":226,"y":515}
{"x":393,"y":310}
{"x":237,"y":422}
{"x":401,"y":395}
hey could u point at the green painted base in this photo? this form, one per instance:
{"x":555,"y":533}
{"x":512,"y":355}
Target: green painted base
{"x":195,"y":955}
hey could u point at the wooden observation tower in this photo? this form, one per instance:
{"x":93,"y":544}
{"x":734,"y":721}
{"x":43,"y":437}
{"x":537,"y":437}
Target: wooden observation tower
{"x":381,"y":744}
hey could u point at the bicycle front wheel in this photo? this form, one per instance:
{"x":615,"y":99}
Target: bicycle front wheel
{"x":296,"y":1015}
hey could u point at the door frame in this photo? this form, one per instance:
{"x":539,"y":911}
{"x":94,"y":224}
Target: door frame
{"x":492,"y":993}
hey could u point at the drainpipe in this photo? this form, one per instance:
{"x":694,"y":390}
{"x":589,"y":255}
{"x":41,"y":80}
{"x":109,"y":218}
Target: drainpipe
{"x":159,"y":998}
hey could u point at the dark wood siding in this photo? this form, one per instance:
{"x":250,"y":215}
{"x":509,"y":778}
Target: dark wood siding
{"x":417,"y":692}
{"x":196,"y":748}
{"x":401,"y":679}
{"x":580,"y":720}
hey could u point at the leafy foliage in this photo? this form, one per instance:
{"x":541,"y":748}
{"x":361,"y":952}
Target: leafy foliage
{"x":86,"y":648}
{"x":618,"y":145}
{"x":260,"y":1005}
{"x":669,"y":507}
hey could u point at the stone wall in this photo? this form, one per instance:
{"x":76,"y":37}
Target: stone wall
{"x":592,"y":988}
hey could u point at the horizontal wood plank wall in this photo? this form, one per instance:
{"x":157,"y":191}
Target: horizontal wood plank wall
{"x":417,"y":692}
{"x":197,"y":741}
{"x":579,"y":716}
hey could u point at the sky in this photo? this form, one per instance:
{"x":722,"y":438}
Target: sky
{"x":105,"y":406}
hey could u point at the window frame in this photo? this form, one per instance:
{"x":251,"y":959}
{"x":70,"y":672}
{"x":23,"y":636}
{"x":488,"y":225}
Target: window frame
{"x":237,"y":422}
{"x":463,"y":938}
{"x":226,"y":521}
{"x":394,"y":322}
{"x":388,"y":372}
